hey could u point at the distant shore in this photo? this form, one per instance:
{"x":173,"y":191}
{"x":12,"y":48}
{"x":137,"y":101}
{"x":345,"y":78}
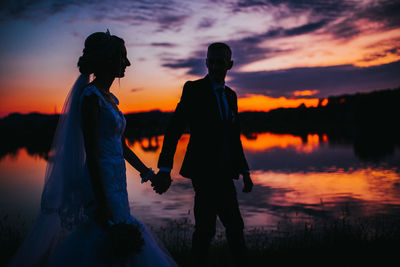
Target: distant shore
{"x":360,"y":118}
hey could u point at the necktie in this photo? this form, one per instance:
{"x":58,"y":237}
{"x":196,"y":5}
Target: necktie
{"x":221,"y":103}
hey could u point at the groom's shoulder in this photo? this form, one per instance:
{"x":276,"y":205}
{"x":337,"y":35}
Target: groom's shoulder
{"x":195,"y":83}
{"x":191,"y":87}
{"x":230,"y":91}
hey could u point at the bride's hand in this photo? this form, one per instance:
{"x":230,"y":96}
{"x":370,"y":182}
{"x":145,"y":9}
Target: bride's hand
{"x":103,"y":216}
{"x":148,"y":175}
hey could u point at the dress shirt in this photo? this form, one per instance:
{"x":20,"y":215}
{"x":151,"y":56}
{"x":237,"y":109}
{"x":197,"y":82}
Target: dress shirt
{"x":218,"y":86}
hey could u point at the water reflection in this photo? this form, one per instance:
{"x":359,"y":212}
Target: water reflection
{"x":286,"y":153}
{"x":363,"y":192}
{"x":307,"y":176}
{"x":21,"y":182}
{"x":266,"y":141}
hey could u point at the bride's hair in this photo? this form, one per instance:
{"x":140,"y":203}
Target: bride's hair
{"x":100,"y":52}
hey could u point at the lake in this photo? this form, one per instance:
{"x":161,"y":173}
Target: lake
{"x":300,"y":177}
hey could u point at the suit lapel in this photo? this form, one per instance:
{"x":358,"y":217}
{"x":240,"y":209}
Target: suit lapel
{"x":229,"y":98}
{"x":232,"y":104}
{"x":211,"y":98}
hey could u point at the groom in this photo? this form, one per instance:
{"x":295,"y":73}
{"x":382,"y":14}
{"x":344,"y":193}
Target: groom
{"x":214,"y":156}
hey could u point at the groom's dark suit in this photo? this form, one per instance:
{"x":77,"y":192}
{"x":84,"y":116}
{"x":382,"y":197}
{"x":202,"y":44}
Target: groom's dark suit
{"x":213,"y":158}
{"x":210,"y":137}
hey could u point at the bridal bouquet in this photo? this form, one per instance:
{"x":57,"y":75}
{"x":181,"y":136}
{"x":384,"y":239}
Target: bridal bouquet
{"x":125,"y":239}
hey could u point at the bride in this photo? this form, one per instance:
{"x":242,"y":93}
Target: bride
{"x":85,"y":217}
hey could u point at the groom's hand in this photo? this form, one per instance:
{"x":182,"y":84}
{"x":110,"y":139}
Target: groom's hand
{"x":248,"y":183}
{"x":161,"y":182}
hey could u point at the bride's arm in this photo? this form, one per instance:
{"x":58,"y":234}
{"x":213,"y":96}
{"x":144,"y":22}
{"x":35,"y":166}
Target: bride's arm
{"x":90,"y":117}
{"x":132,"y":158}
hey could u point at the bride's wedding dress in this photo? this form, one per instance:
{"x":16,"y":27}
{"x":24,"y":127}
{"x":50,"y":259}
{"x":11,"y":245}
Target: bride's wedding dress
{"x":86,"y":244}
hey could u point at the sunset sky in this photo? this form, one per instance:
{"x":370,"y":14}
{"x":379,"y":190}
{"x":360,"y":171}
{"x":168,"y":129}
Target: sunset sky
{"x":285,"y":52}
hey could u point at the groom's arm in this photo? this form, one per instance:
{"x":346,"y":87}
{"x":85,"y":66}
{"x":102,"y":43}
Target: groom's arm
{"x":175,"y":129}
{"x":243,"y":165}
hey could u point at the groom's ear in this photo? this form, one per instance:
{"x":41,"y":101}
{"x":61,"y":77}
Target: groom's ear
{"x":230,"y":65}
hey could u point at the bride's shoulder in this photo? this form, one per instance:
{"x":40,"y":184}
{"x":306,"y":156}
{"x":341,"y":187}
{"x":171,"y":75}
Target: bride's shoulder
{"x":91,"y":94}
{"x":90,"y":89}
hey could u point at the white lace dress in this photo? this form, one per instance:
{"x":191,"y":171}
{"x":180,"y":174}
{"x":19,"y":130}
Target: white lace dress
{"x":86,"y":245}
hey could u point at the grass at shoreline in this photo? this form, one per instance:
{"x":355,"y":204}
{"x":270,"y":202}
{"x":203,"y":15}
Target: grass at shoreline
{"x":322,"y":242}
{"x":12,"y":233}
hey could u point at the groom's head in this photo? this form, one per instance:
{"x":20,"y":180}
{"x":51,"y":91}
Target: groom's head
{"x":219,"y":60}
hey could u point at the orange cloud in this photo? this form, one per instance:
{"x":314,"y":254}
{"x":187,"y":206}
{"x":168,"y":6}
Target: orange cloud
{"x":305,"y":92}
{"x":266,"y":103}
{"x":318,"y":50}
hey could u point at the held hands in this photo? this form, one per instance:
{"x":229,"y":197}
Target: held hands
{"x":248,"y":183}
{"x":161,"y":182}
{"x":147,"y":175}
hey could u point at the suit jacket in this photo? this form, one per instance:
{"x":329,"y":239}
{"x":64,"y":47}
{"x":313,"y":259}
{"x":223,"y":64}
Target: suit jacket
{"x":209,"y":135}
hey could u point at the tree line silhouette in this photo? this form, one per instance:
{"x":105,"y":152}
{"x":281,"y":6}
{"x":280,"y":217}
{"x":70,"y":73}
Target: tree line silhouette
{"x":368,"y":121}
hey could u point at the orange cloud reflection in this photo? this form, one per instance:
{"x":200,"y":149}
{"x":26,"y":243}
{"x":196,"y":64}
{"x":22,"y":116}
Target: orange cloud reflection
{"x":372,"y":185}
{"x":311,"y":145}
{"x":266,"y":141}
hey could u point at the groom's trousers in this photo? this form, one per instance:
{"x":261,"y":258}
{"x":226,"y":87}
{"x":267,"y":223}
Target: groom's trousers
{"x":216,"y":196}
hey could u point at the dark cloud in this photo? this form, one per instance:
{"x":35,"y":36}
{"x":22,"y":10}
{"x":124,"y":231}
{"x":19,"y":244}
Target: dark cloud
{"x":163,"y":44}
{"x":333,"y":80}
{"x":328,"y":81}
{"x":307,"y":28}
{"x":35,"y":11}
{"x":169,"y":21}
{"x":195,"y":66}
{"x":343,"y":15}
{"x":77,"y":35}
{"x":134,"y":90}
{"x":206,"y":23}
{"x":284,"y":32}
{"x":245,"y":50}
{"x":341,"y":18}
{"x":338,"y":17}
{"x":248,"y":49}
{"x":386,"y":11}
{"x":330,"y":8}
{"x":344,"y":29}
{"x":168,"y":14}
{"x":392,"y":51}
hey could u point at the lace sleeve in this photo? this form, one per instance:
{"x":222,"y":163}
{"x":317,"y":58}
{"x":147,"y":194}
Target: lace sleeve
{"x":90,"y":90}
